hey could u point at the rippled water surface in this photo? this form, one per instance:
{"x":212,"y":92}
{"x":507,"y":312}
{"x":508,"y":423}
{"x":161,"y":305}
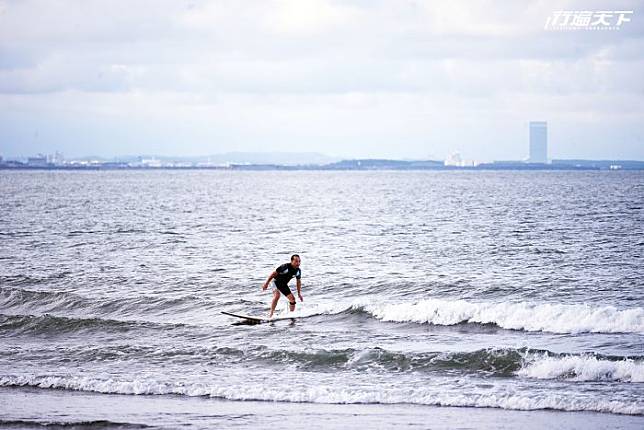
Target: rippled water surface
{"x":513,"y":290}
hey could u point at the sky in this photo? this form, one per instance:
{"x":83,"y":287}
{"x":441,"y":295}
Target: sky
{"x":350,"y":79}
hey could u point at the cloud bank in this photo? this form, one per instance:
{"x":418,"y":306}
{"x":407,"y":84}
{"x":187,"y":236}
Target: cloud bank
{"x":416,"y":79}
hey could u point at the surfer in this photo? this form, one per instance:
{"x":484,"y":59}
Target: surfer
{"x":280,"y":277}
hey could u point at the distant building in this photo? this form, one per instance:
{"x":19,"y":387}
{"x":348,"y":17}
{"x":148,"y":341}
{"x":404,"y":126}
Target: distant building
{"x":37,"y":161}
{"x":56,"y":158}
{"x":538,"y":142}
{"x":455,"y":160}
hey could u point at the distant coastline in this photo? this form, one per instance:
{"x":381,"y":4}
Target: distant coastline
{"x":353,"y":164}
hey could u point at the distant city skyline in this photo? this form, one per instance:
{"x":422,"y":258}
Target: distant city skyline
{"x":413,"y":80}
{"x":304,"y":160}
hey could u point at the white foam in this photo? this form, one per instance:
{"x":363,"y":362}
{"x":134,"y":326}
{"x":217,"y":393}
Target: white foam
{"x":555,"y":318}
{"x":320,"y":393}
{"x":583,"y":368}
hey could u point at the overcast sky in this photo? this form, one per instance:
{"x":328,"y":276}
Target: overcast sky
{"x":398,"y":79}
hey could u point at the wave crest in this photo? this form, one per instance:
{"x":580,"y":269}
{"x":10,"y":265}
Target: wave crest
{"x":331,"y":394}
{"x":583,"y":368}
{"x":546,"y":317}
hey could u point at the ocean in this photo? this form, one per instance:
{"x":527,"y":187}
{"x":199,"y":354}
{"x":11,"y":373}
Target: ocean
{"x":432,"y":299}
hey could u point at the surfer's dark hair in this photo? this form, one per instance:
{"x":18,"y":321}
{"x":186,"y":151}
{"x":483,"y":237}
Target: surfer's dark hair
{"x":293,"y":256}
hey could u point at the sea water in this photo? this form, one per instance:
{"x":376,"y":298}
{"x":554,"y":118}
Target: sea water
{"x":506,"y":291}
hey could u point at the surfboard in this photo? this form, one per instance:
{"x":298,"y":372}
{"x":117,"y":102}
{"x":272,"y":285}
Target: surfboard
{"x":255,"y":319}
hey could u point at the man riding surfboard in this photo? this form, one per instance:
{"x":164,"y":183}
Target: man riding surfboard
{"x":280,"y":277}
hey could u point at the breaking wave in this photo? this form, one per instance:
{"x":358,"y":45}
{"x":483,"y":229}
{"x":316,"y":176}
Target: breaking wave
{"x":546,"y":317}
{"x":583,"y":368}
{"x":497,"y":362}
{"x":320,"y":393}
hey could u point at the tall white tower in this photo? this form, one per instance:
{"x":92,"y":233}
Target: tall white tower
{"x":538,"y":142}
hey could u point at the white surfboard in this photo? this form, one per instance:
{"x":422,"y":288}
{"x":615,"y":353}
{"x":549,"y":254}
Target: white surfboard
{"x":258,"y":319}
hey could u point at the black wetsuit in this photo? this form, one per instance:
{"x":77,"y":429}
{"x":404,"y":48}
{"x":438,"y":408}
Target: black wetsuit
{"x":285,"y":273}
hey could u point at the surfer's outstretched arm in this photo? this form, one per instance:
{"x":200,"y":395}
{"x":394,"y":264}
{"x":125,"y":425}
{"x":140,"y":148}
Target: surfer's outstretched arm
{"x":268,"y":281}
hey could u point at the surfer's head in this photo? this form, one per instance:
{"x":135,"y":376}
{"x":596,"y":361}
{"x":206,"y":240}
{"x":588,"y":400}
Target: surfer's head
{"x":295,"y":260}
